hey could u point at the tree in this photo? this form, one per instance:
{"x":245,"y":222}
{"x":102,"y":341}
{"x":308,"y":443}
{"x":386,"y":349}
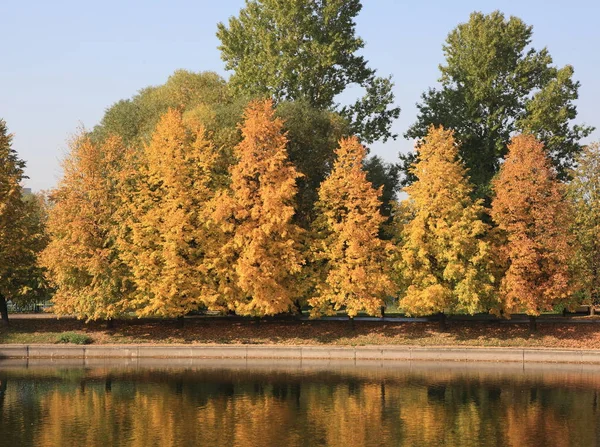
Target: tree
{"x":261,"y":257}
{"x":167,"y":219}
{"x":445,"y":261}
{"x":204,"y":96}
{"x":306,"y":50}
{"x":530,"y":208}
{"x":354,"y":259}
{"x":312,"y":139}
{"x":82,"y":258}
{"x":387,"y":176}
{"x":493,"y":85}
{"x":21,"y":232}
{"x":584,"y":195}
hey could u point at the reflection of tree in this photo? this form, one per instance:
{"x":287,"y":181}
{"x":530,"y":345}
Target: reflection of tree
{"x":245,"y":408}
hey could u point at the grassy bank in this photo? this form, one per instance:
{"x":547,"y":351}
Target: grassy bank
{"x":551,"y":335}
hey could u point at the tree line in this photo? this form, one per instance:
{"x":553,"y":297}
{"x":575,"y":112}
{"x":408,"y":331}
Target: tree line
{"x":257,"y":196}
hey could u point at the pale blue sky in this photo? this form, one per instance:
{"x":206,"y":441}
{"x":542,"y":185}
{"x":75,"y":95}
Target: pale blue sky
{"x":64,"y":62}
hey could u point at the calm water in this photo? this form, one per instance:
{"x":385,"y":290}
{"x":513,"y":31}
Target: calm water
{"x":273,"y":404}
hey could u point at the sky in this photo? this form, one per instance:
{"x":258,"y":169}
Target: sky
{"x":64,"y":62}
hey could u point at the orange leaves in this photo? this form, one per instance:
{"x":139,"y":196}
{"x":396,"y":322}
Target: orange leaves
{"x":529,"y":207}
{"x":167,"y":219}
{"x":356,"y":267}
{"x":444,"y":259}
{"x":260,"y":251}
{"x":82,"y":258}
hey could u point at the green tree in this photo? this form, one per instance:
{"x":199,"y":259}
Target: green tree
{"x":494,"y":84}
{"x":307,"y":50}
{"x":584,"y":194}
{"x":386,"y":175}
{"x":445,"y":261}
{"x":313,"y":136}
{"x":22,"y":236}
{"x":204,"y":96}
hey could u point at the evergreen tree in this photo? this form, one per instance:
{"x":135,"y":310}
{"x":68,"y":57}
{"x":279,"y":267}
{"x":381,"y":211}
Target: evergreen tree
{"x":260,"y":258}
{"x":530,"y":208}
{"x":355,"y":260}
{"x":445,"y":262}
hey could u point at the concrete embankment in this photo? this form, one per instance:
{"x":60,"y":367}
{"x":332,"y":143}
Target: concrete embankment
{"x":351,"y":353}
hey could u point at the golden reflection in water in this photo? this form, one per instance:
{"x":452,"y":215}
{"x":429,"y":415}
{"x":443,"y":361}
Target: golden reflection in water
{"x":278,"y":407}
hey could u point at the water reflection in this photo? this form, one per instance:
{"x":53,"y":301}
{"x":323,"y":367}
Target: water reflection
{"x":408,"y":405}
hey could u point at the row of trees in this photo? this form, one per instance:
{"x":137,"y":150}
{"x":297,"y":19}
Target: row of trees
{"x":168,"y":205}
{"x":156,"y":230}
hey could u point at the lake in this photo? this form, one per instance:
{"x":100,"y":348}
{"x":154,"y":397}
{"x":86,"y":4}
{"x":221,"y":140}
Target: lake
{"x":271,"y":403}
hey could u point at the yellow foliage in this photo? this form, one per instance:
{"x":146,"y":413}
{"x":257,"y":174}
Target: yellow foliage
{"x":445,"y":261}
{"x":166,"y":218}
{"x":259,"y":258}
{"x":82,"y":258}
{"x":355,"y":260}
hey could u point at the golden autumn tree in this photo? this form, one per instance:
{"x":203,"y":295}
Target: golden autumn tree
{"x":444,"y":259}
{"x":530,"y":208}
{"x":584,"y":195}
{"x":82,"y":257}
{"x":166,"y":237}
{"x":355,"y":260}
{"x":260,"y":258}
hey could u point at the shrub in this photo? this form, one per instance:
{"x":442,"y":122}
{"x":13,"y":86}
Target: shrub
{"x":75,"y":338}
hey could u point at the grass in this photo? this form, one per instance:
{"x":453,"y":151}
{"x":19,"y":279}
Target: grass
{"x":206,"y":331}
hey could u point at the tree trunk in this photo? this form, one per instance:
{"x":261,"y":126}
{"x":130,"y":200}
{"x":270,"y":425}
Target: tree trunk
{"x":180,"y":322}
{"x":110,"y":323}
{"x":442,"y":322}
{"x":3,"y":310}
{"x":382,"y":311}
{"x":298,"y":309}
{"x":532,"y":323}
{"x":3,"y":386}
{"x":592,"y":310}
{"x":352,"y":325}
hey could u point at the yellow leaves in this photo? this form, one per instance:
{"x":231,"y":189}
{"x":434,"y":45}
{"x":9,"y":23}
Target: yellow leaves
{"x":260,"y":250}
{"x":82,"y":258}
{"x":356,"y":269}
{"x":444,"y":260}
{"x":168,"y":219}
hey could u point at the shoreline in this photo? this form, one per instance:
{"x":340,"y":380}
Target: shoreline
{"x":356,"y":354}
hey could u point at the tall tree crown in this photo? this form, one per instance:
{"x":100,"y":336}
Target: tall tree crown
{"x":494,"y":84}
{"x":306,"y":50}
